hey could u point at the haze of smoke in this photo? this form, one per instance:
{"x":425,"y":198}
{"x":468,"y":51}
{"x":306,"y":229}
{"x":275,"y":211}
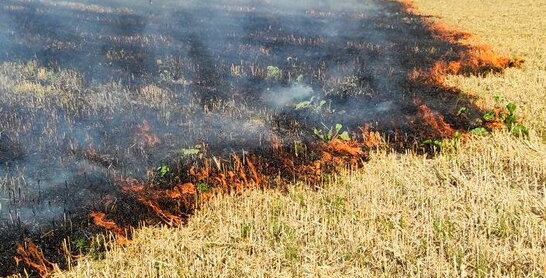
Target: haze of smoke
{"x":189,"y":103}
{"x":282,"y":97}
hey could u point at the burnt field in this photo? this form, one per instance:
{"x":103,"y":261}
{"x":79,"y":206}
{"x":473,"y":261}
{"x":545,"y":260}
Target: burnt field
{"x":119,"y":113}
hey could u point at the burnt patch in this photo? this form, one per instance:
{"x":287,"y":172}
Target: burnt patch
{"x":10,"y":150}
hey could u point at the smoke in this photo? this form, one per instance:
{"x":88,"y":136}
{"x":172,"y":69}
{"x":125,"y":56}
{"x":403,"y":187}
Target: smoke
{"x":284,"y":96}
{"x":84,"y":78}
{"x":95,"y":91}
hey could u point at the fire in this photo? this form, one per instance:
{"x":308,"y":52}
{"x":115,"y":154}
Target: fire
{"x":351,"y":149}
{"x":243,"y":173}
{"x":283,"y":164}
{"x":474,"y":60}
{"x":145,"y":135}
{"x":182,"y":190}
{"x":256,"y":176}
{"x":100,"y":220}
{"x":280,"y":164}
{"x":237,"y":174}
{"x":435,"y":123}
{"x":167,"y":217}
{"x":370,"y":138}
{"x":151,"y":198}
{"x":32,"y":256}
{"x":478,"y":60}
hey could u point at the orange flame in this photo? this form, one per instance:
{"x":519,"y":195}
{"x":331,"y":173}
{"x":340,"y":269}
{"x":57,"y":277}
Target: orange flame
{"x":435,"y":123}
{"x":33,"y":257}
{"x":480,"y":59}
{"x":99,"y":218}
{"x":150,"y":198}
{"x":146,"y":136}
{"x":348,"y":148}
{"x":475,"y":60}
{"x":182,"y":190}
{"x":236,"y":172}
{"x":239,"y":172}
{"x":167,"y":217}
{"x":370,"y":138}
{"x":283,"y":166}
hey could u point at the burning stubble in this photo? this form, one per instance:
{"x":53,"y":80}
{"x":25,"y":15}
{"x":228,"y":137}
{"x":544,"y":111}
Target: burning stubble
{"x":137,"y":109}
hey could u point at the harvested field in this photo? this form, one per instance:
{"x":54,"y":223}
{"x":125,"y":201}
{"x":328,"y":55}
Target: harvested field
{"x":118,"y":114}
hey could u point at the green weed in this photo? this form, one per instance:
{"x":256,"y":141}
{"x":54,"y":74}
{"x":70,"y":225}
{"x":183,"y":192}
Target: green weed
{"x":273,"y":73}
{"x":332,"y":133}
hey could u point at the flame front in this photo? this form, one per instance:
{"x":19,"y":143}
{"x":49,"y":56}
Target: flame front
{"x":32,"y":256}
{"x":100,"y":220}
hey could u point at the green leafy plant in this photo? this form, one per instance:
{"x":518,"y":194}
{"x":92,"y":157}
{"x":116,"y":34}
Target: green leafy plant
{"x":433,"y":142}
{"x":450,"y":144}
{"x":481,"y":131}
{"x":299,"y":148}
{"x":313,"y":104}
{"x":498,"y":98}
{"x":489,"y":116}
{"x":190,"y":151}
{"x":511,"y":121}
{"x":81,"y":245}
{"x":303,"y":104}
{"x":203,"y":187}
{"x":519,"y":130}
{"x":245,"y":230}
{"x":332,"y":133}
{"x":506,"y":115}
{"x":462,"y":110}
{"x":273,"y":73}
{"x":458,"y":135}
{"x":163,"y":170}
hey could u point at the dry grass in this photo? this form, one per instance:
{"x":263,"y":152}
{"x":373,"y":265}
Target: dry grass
{"x":512,"y":27}
{"x":478,"y":212}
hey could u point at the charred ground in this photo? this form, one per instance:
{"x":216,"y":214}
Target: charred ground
{"x":122,"y":108}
